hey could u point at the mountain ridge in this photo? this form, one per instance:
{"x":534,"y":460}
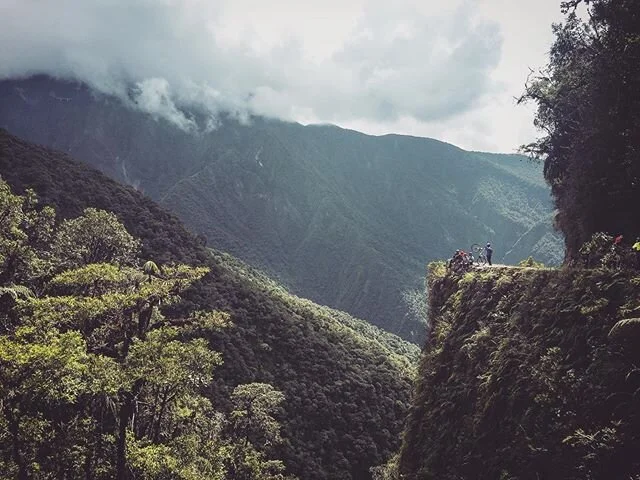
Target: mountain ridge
{"x":343,"y":218}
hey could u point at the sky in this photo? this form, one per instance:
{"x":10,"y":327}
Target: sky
{"x":448,"y":70}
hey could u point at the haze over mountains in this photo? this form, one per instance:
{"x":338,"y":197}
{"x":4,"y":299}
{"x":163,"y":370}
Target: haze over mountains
{"x":345,"y":219}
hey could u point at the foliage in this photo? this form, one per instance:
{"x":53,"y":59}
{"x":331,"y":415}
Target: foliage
{"x":625,"y":329}
{"x":528,"y":373}
{"x":252,"y":421}
{"x":388,"y":471}
{"x":530,"y":263}
{"x":95,"y":237}
{"x":601,"y":251}
{"x":26,"y":229}
{"x":589,"y":111}
{"x":95,"y":381}
{"x":321,"y":359}
{"x":251,"y":417}
{"x":436,"y":269}
{"x":417,"y":306}
{"x":594,"y":251}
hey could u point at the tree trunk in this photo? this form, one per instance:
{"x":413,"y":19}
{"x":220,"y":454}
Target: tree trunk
{"x":126,"y":410}
{"x":14,"y":429}
{"x":124,"y":417}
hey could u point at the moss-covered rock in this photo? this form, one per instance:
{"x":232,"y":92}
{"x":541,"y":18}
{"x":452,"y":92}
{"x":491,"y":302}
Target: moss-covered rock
{"x":528,"y":374}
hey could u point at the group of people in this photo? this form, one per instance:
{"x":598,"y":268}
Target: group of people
{"x":462,"y":260}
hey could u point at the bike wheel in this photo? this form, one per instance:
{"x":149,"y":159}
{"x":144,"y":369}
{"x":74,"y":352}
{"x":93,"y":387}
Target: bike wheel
{"x":482,"y":260}
{"x":476,"y":248}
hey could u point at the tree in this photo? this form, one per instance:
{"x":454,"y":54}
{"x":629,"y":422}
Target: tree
{"x":589,"y":111}
{"x":254,"y":429}
{"x":83,"y":349}
{"x":26,"y":231}
{"x":96,"y":380}
{"x":95,"y":237}
{"x":41,"y":370}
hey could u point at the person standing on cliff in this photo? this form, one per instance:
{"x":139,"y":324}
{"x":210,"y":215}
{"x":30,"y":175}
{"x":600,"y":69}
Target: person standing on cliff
{"x":488,"y":251}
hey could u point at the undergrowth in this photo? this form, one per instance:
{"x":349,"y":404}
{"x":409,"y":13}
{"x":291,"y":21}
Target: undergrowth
{"x":524,"y":376}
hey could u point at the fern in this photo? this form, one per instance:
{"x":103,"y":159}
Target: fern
{"x":16,"y":292}
{"x":623,"y":327}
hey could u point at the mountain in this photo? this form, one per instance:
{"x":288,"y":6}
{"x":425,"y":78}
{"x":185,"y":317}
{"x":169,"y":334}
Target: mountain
{"x":528,"y":373}
{"x":346,"y":383}
{"x":346,"y":219}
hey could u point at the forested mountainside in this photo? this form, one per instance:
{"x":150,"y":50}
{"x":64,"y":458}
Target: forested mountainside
{"x":345,"y":383}
{"x":528,"y":373}
{"x":343,"y":218}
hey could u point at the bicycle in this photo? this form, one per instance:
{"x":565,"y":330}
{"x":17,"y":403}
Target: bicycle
{"x":478,"y":251}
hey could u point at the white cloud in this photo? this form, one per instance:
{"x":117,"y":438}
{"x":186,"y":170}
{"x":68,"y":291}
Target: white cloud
{"x":442,"y":69}
{"x":152,"y":95}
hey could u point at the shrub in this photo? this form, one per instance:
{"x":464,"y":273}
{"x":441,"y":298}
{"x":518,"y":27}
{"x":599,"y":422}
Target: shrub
{"x":530,"y":262}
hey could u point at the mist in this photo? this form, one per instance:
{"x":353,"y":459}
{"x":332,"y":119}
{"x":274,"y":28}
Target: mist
{"x":369,"y":61}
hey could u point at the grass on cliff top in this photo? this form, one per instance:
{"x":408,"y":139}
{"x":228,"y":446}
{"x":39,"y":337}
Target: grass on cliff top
{"x":438,"y":269}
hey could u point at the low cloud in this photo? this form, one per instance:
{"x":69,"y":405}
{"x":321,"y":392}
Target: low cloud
{"x":383,"y":61}
{"x":152,"y":95}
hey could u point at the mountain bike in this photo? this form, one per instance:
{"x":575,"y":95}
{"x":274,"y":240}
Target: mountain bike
{"x":478,"y":253}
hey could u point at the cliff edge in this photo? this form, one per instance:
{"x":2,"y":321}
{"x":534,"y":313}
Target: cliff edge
{"x":528,"y":374}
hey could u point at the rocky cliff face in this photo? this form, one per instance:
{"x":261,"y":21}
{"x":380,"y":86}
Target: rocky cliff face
{"x":343,"y":218}
{"x":528,"y":374}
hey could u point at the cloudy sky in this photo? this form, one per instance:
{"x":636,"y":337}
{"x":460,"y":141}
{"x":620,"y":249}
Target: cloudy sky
{"x":443,"y":69}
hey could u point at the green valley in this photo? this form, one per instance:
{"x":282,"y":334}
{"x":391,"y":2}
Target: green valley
{"x":345,"y":219}
{"x":194,"y":287}
{"x":345,"y":384}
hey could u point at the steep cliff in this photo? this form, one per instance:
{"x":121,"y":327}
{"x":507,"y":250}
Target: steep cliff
{"x":528,"y":374}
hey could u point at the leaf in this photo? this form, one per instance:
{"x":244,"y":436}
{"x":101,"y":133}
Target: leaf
{"x":16,"y":292}
{"x":625,"y":327}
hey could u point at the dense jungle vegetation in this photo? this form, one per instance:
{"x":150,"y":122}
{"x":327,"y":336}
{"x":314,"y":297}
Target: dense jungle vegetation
{"x":96,"y":381}
{"x":529,"y":373}
{"x":337,"y":386}
{"x":532,"y":373}
{"x":589,"y":110}
{"x":345,"y":219}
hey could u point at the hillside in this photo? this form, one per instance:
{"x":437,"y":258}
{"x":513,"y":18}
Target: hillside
{"x":346,"y":383}
{"x":528,"y":373}
{"x":343,"y":218}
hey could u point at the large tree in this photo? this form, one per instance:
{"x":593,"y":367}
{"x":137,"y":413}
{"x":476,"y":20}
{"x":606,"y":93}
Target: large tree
{"x":96,"y":382}
{"x":589,"y":110}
